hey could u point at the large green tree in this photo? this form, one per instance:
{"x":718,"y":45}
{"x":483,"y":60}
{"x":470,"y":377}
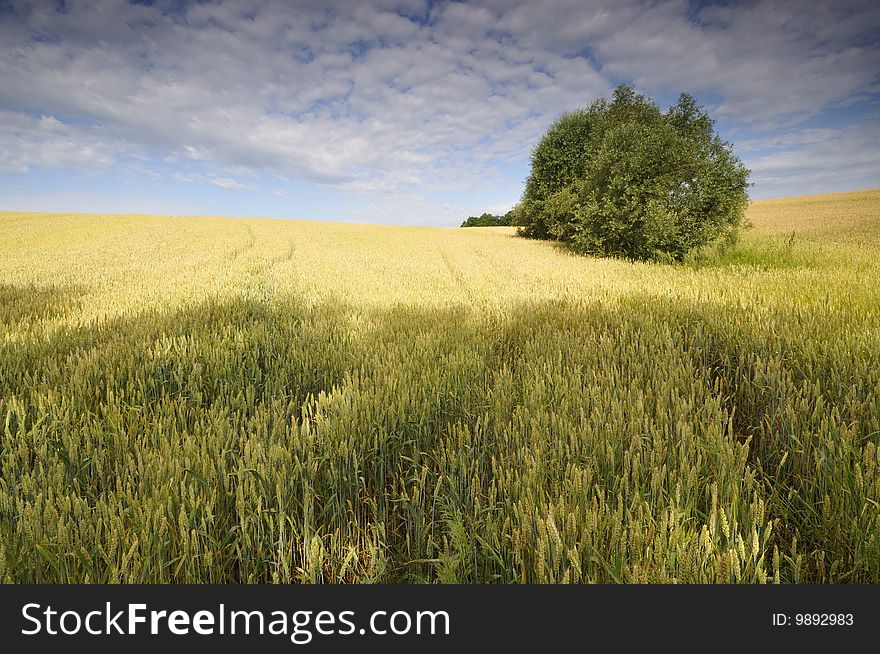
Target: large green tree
{"x":623,"y":178}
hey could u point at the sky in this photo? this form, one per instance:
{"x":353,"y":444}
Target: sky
{"x":413,"y":112}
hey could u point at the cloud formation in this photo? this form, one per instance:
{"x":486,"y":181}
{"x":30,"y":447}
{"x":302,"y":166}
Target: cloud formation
{"x":397,"y":100}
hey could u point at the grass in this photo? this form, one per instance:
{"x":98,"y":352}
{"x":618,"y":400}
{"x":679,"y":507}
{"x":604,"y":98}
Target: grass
{"x":243,"y":400}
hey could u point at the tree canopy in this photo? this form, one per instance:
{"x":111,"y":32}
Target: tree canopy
{"x":623,"y":178}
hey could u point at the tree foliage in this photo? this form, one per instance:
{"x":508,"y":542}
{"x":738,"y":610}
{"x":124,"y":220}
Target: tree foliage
{"x":622,"y":178}
{"x":489,"y":220}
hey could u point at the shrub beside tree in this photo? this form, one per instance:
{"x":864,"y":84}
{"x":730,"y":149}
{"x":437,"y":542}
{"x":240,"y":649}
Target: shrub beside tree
{"x":623,"y":178}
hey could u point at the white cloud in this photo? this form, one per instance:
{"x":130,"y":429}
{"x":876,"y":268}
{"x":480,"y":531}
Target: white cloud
{"x":396,"y":99}
{"x":28,"y":141}
{"x":787,"y":139}
{"x":358,"y":96}
{"x":766,"y":59}
{"x":820,"y":160}
{"x":222,"y":182}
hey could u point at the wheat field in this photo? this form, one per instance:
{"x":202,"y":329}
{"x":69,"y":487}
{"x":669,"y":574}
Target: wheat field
{"x":202,"y":399}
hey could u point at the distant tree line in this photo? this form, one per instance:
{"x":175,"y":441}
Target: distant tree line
{"x":489,"y":220}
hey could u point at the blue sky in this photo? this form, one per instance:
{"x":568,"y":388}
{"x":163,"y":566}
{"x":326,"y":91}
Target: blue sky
{"x":405,"y":112}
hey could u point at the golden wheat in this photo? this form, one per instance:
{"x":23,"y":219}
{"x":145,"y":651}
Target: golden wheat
{"x":211,"y":400}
